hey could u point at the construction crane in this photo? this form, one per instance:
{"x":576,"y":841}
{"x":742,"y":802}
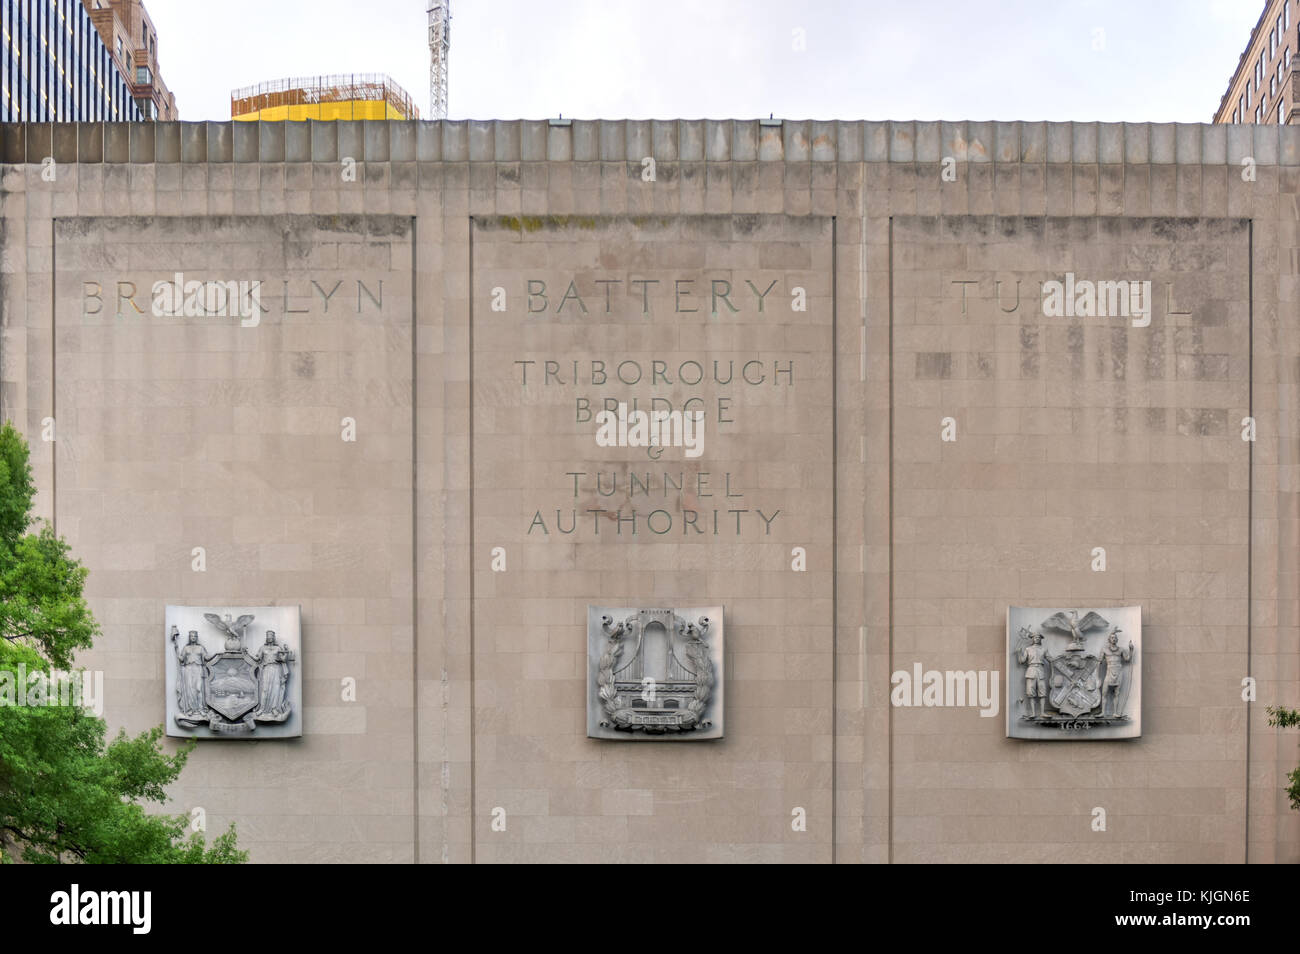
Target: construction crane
{"x":439,"y":45}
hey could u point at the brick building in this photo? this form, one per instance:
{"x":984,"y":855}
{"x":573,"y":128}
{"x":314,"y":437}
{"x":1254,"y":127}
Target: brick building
{"x":129,"y":34}
{"x":1266,"y":85}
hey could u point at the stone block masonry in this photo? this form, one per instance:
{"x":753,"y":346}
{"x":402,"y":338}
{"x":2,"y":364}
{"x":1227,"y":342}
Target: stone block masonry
{"x":396,"y":373}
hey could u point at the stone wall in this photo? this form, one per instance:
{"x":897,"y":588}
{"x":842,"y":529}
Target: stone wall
{"x":865,"y":290}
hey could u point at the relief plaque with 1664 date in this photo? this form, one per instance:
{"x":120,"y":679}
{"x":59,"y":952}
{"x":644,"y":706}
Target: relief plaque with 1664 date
{"x":1074,"y":673}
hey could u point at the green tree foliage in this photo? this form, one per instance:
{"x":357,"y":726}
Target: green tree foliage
{"x":1288,"y":719}
{"x":67,"y":795}
{"x":40,"y":586}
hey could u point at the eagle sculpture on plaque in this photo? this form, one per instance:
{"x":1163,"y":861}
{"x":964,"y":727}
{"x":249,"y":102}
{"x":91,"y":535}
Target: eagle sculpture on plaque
{"x":654,"y":674}
{"x":1074,"y":673}
{"x":233,"y":676}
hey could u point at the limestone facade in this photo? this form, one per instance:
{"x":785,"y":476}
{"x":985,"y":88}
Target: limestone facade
{"x":393,"y":423}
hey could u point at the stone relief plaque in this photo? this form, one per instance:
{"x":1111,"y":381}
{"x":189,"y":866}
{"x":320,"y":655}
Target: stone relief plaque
{"x":233,"y":672}
{"x":654,"y":674}
{"x":1074,"y":673}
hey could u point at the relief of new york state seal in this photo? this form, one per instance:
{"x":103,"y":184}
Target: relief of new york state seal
{"x":1074,"y":673}
{"x":232,"y":672}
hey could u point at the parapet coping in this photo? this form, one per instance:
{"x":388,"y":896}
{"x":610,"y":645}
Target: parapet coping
{"x":673,"y":140}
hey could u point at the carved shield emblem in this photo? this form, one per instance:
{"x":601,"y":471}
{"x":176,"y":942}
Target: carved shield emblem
{"x":1075,"y":688}
{"x":231,"y":686}
{"x":1074,"y":672}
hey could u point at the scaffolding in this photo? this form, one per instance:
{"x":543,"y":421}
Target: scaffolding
{"x":347,"y":90}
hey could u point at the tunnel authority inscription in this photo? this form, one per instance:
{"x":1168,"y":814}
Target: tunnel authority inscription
{"x":670,"y":375}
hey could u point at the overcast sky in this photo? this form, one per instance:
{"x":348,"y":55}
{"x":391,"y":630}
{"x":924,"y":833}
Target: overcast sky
{"x":1110,"y":60}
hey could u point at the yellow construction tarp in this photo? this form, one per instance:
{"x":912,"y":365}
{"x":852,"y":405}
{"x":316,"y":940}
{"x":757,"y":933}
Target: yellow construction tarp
{"x":347,"y":109}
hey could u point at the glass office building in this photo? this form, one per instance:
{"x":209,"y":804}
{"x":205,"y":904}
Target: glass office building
{"x":55,"y":68}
